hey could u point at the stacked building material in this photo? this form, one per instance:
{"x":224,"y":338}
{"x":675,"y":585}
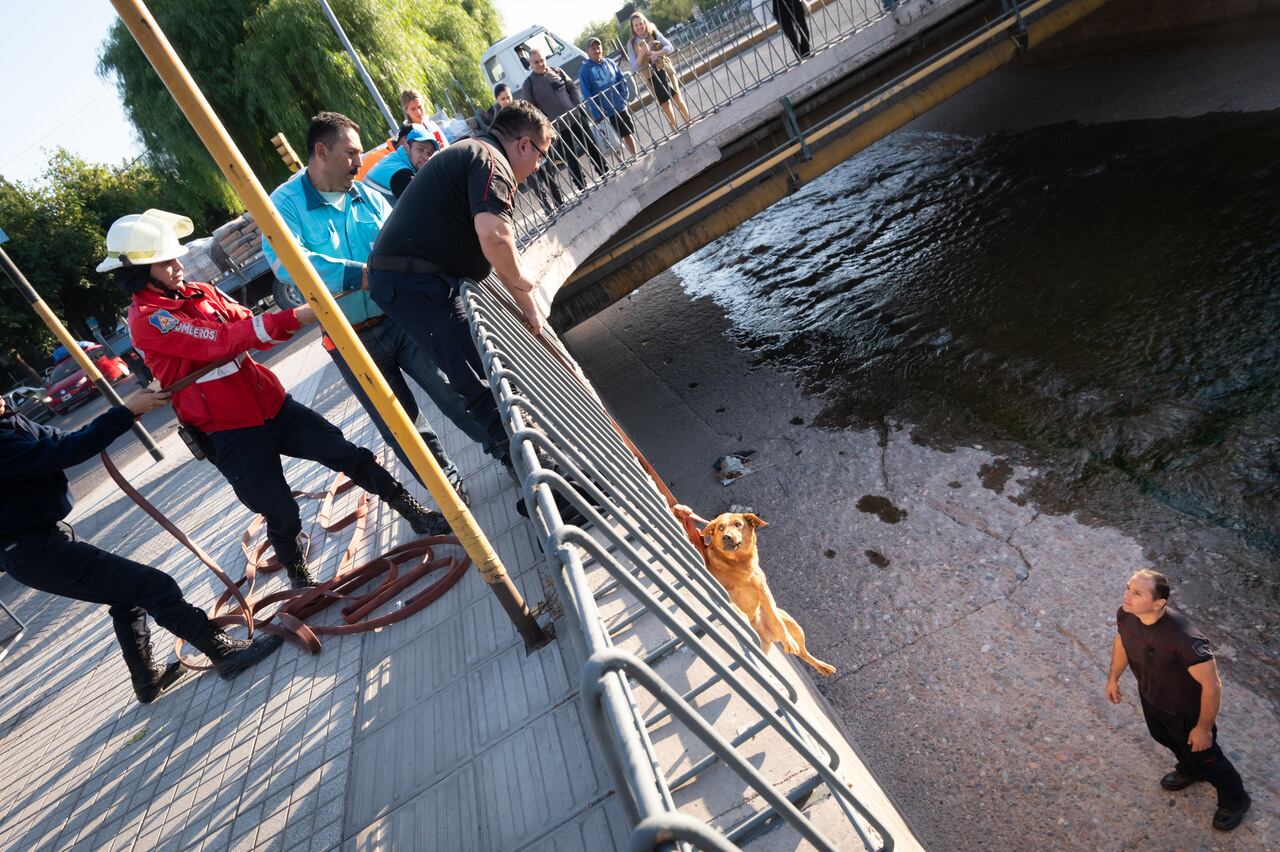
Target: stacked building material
{"x":198,"y":264}
{"x":240,"y":239}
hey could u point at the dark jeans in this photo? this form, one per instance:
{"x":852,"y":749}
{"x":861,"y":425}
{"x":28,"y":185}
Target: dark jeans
{"x":429,"y":309}
{"x":543,"y":183}
{"x":395,"y":355}
{"x":49,"y":560}
{"x":250,"y":460}
{"x":795,"y":24}
{"x":1171,"y":731}
{"x":572,"y":139}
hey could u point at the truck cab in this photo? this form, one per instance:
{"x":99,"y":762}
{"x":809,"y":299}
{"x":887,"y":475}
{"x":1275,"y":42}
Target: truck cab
{"x":507,"y":61}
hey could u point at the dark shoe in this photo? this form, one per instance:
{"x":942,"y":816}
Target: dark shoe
{"x":150,"y":681}
{"x":232,"y":656}
{"x":1175,"y":780}
{"x":423,"y":520}
{"x":299,"y":572}
{"x":1228,"y":818}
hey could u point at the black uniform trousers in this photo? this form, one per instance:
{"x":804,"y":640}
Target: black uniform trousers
{"x":250,"y":460}
{"x":794,"y":21}
{"x":429,"y":309}
{"x":1171,"y":731}
{"x":47,"y":559}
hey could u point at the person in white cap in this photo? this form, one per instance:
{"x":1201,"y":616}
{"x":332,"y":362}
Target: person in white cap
{"x":237,"y":407}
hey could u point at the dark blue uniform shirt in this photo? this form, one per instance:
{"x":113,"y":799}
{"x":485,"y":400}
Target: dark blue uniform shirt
{"x":33,"y":488}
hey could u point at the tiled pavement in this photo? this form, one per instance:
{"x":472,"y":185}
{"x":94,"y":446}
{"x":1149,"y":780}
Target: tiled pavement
{"x":433,"y":733}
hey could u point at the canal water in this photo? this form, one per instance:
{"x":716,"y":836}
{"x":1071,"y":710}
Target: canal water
{"x":1104,"y":298}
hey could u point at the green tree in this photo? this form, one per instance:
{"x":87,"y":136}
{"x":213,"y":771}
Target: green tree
{"x":608,"y":30}
{"x":57,"y":228}
{"x":665,"y":14}
{"x":266,"y":66}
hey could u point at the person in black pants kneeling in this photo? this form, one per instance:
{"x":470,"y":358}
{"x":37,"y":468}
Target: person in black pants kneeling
{"x":37,"y":552}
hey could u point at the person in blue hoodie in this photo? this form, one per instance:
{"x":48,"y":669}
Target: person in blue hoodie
{"x":605,"y":91}
{"x":38,"y":550}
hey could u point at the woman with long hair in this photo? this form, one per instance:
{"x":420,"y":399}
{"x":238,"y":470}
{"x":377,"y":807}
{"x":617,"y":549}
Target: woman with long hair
{"x":650,"y":53}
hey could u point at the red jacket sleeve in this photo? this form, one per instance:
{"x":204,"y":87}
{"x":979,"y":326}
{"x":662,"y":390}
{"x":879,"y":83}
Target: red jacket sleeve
{"x":157,"y":330}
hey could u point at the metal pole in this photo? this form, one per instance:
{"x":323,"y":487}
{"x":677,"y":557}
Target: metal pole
{"x":146,"y":32}
{"x":60,"y":331}
{"x":364,"y":75}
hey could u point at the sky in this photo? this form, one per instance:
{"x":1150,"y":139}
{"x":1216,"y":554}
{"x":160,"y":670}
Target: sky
{"x":51,"y":95}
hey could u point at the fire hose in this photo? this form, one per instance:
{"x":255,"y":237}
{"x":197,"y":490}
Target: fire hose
{"x":237,"y":605}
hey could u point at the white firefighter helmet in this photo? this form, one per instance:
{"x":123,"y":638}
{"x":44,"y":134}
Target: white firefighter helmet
{"x":144,"y":238}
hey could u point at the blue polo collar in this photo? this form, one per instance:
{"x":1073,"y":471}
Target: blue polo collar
{"x":315,"y":199}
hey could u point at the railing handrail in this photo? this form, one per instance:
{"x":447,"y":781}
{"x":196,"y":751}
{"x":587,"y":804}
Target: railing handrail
{"x":571,"y":456}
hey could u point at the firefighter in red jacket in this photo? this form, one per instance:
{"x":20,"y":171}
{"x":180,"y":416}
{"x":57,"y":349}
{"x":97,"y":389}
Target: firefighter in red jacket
{"x":240,"y":408}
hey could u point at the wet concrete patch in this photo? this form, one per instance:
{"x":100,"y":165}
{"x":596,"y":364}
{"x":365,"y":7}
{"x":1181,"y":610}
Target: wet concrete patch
{"x":995,"y":474}
{"x":878,"y":559}
{"x":881,"y":507}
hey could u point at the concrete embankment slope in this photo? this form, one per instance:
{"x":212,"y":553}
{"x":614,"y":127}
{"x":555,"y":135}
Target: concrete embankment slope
{"x":971,"y":632}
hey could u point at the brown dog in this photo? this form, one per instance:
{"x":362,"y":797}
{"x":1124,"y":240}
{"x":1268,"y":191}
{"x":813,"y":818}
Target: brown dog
{"x":732,"y":558}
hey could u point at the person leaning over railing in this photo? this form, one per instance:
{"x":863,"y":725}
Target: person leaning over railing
{"x":454,"y":222}
{"x":650,"y":53}
{"x":605,"y":92}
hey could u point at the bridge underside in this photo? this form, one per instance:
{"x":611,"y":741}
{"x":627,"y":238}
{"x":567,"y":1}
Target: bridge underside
{"x":748,"y":156}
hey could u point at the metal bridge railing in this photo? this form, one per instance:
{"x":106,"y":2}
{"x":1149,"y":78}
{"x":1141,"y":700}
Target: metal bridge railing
{"x":658,"y":599}
{"x":735,"y":49}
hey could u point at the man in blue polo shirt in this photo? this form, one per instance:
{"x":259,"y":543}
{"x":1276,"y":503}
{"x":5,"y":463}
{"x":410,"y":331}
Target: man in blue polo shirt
{"x":336,"y":220}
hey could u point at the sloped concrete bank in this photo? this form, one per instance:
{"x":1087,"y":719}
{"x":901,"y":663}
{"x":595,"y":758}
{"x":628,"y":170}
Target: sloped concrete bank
{"x":971,"y":630}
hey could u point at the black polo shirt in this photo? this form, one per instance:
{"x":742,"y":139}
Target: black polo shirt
{"x":1160,"y":655}
{"x":435,"y":217}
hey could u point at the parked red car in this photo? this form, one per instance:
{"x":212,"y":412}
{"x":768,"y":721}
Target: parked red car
{"x":67,"y":385}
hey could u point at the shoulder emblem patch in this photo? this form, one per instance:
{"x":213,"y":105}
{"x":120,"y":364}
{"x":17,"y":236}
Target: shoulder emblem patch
{"x":1201,"y":648}
{"x":164,"y":321}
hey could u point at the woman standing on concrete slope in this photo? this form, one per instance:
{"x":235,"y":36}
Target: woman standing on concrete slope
{"x":650,"y":53}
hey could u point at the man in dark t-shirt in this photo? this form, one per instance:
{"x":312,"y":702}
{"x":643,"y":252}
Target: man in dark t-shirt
{"x":1179,"y":689}
{"x":452,"y":222}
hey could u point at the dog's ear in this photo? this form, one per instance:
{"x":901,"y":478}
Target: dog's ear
{"x":754,"y":520}
{"x":706,"y":533}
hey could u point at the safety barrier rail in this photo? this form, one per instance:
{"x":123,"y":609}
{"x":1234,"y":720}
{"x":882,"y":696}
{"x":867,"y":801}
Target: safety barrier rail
{"x":659,"y":605}
{"x":735,"y":49}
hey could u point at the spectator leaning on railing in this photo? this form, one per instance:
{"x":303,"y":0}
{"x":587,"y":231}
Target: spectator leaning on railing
{"x":554,"y":92}
{"x":605,"y":92}
{"x":650,"y":53}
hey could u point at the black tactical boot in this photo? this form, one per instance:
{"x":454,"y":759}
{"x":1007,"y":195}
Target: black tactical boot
{"x":300,"y":575}
{"x":232,"y":656}
{"x":423,"y":520}
{"x":150,"y":681}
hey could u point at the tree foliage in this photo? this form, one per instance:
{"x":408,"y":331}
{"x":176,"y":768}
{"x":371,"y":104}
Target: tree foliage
{"x":665,"y":14}
{"x":267,"y":66}
{"x":608,"y":30}
{"x":57,"y":228}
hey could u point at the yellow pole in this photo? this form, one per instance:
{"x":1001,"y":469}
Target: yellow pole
{"x":146,"y":32}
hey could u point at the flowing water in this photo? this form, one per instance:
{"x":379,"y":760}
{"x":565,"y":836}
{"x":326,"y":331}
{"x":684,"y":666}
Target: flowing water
{"x":1105,"y":296}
